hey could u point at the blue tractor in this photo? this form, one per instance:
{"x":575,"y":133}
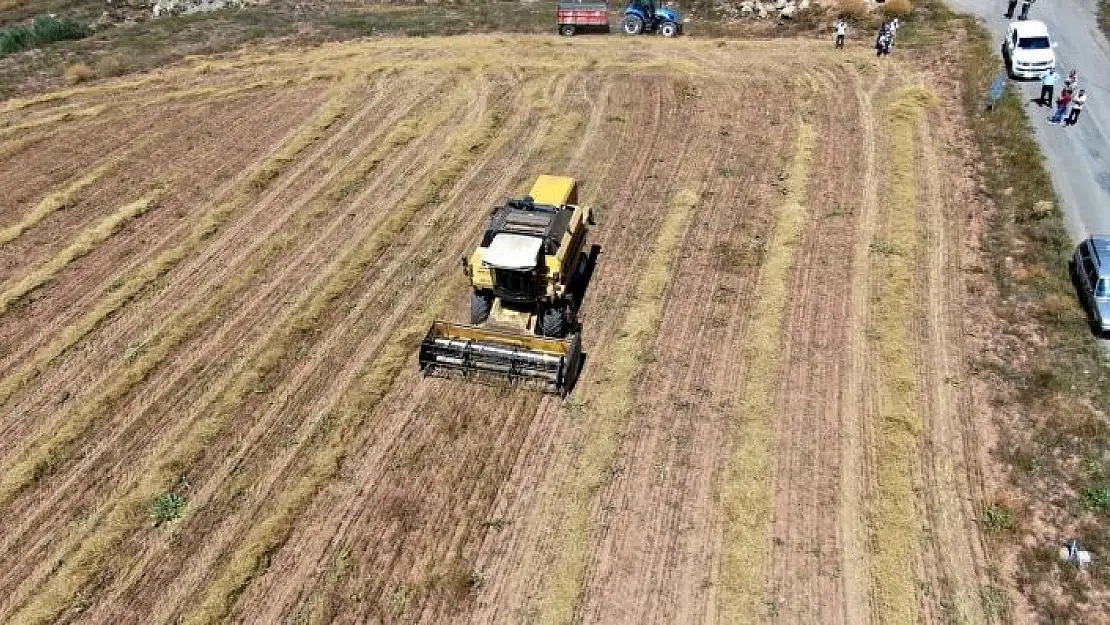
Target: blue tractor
{"x":643,"y":16}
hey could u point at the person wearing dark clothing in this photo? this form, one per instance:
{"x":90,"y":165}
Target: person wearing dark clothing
{"x":1048,"y":84}
{"x":1076,"y":107}
{"x":1010,"y":9}
{"x":1025,"y":4}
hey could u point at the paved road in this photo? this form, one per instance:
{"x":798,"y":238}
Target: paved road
{"x":1078,"y":157}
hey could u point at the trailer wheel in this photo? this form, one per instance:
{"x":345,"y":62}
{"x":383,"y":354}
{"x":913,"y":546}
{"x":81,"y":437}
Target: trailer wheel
{"x":632,"y":24}
{"x":669,"y":29}
{"x":567,"y":30}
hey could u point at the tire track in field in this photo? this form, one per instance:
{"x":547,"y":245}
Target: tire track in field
{"x":612,"y":586}
{"x":132,"y":510}
{"x":241,"y":190}
{"x":855,"y":472}
{"x":896,"y":531}
{"x":52,"y":203}
{"x":657,"y":527}
{"x":747,"y":495}
{"x":405,"y":444}
{"x":466,"y":492}
{"x":466,"y":226}
{"x":104,"y":148}
{"x":86,"y":242}
{"x":949,"y":497}
{"x":613,"y":410}
{"x":273,"y":246}
{"x":623,"y":225}
{"x":311,"y":432}
{"x":805,"y":583}
{"x":148,"y":273}
{"x":372,"y":247}
{"x":625,"y":205}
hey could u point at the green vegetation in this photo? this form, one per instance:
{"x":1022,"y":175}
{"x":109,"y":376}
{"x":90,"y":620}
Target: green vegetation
{"x":1097,"y":499}
{"x":43,"y":30}
{"x":998,"y":518}
{"x":167,"y":507}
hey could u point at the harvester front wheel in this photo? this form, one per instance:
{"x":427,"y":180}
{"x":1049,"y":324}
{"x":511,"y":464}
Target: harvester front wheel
{"x":480,"y":306}
{"x":553,"y":322}
{"x":567,"y":30}
{"x":669,"y":29}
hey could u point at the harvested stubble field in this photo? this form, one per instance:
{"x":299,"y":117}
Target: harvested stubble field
{"x":214,"y":278}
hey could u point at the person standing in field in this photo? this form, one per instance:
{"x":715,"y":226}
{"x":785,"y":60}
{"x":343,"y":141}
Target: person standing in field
{"x":1048,"y":84}
{"x":841,"y":33}
{"x":1076,"y":107}
{"x":1061,"y":107}
{"x":1010,"y":9}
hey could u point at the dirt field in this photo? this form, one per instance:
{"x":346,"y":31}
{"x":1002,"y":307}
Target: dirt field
{"x":213,"y":279}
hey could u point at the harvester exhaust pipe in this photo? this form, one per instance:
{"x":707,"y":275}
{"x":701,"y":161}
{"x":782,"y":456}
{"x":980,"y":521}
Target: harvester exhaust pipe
{"x":472,"y":350}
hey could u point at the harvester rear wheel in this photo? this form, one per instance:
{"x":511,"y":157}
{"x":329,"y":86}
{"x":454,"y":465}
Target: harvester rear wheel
{"x":480,"y":306}
{"x":567,"y":30}
{"x":553,"y":322}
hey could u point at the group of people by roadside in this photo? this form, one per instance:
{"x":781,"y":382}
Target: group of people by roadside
{"x":883,"y":43}
{"x":1068,"y":98}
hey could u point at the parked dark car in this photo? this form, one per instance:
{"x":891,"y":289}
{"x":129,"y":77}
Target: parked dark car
{"x":1090,"y":270}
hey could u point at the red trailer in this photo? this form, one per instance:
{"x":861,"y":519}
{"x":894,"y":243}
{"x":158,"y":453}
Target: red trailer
{"x":575,"y":15}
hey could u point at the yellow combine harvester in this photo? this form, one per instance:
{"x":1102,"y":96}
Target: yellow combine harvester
{"x":522,"y":308}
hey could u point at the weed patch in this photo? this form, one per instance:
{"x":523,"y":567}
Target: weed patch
{"x":1097,"y":499}
{"x":166,"y":508}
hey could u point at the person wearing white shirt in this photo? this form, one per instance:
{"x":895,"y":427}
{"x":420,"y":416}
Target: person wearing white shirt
{"x":1077,"y":103}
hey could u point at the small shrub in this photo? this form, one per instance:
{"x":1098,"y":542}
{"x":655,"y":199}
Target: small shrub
{"x":15,"y":39}
{"x":112,"y":65}
{"x":898,"y":8}
{"x":998,"y":518}
{"x":43,"y":30}
{"x":168,"y":507}
{"x":78,"y":73}
{"x":854,"y":9}
{"x":1097,"y":499}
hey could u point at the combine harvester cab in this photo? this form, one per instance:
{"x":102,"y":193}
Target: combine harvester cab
{"x":524,"y":277}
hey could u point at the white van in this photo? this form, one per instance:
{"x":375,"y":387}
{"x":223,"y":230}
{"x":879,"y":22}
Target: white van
{"x":1028,"y":50}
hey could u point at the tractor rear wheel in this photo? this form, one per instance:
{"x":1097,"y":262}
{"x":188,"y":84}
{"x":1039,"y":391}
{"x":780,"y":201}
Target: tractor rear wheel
{"x":553,"y":322}
{"x":669,"y":29}
{"x":632,"y":24}
{"x":567,"y":30}
{"x":480,"y":306}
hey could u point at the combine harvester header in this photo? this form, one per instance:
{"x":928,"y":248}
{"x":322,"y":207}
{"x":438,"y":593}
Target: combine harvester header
{"x":524,"y":277}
